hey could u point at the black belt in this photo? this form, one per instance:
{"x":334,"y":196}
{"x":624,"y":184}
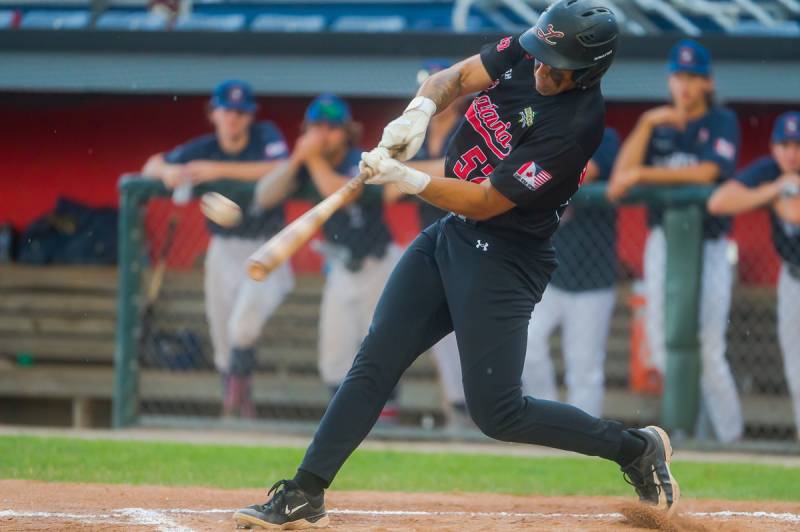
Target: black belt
{"x":464,"y":219}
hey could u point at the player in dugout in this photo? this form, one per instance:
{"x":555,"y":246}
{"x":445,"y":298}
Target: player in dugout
{"x":480,"y":270}
{"x":689,"y":141}
{"x":236,"y":307}
{"x":358,"y":247}
{"x":773,"y":181}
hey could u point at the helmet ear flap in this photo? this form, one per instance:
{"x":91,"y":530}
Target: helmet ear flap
{"x":588,"y":77}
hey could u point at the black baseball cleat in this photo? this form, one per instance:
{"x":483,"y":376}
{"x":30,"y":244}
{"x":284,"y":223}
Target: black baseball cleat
{"x":289,"y":509}
{"x":650,"y":475}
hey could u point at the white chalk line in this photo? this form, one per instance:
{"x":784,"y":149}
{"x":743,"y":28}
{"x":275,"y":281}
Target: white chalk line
{"x":161,"y":517}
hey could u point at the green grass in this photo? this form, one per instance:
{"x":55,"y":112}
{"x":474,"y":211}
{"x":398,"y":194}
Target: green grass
{"x":73,"y":460}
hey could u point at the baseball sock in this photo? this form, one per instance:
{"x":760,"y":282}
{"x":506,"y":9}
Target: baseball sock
{"x":310,"y":483}
{"x":632,"y":448}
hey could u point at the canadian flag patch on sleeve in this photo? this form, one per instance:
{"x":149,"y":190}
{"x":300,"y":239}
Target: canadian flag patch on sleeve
{"x":532,"y":176}
{"x":725,"y":148}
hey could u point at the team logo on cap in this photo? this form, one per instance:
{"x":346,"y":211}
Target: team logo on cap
{"x":791,"y":126}
{"x":686,"y":56}
{"x":551,"y":33}
{"x":236,"y":94}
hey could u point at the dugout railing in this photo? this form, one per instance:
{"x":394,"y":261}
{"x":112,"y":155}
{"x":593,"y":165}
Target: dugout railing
{"x":292,"y":390}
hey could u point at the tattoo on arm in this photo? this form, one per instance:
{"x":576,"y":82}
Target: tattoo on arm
{"x":442,"y":87}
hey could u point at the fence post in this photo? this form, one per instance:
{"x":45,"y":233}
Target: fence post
{"x":683,"y":230}
{"x":126,"y":363}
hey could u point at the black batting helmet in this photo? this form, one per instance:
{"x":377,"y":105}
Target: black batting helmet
{"x":579,"y":35}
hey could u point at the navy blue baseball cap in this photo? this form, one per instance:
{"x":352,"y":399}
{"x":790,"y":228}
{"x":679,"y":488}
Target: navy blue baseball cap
{"x":431,"y":66}
{"x":786,"y":128}
{"x":689,"y":56}
{"x":234,"y":94}
{"x":329,"y":109}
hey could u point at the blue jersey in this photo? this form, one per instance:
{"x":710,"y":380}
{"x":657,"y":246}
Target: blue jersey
{"x":785,"y":236}
{"x":585,"y":241}
{"x":266,"y":143}
{"x":358,"y":227}
{"x":714,"y":137}
{"x":429,"y":213}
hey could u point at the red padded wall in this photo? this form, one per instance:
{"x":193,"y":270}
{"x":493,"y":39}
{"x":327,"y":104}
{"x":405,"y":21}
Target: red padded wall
{"x":78,"y":145}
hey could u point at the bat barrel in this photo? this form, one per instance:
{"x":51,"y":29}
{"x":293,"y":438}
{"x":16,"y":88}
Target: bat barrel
{"x":283,"y":245}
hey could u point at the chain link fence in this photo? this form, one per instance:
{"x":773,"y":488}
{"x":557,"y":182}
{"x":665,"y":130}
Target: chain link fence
{"x":610,"y":261}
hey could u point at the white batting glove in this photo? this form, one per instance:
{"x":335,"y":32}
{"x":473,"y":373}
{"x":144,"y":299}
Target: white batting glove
{"x":371,"y":159}
{"x":406,"y":179}
{"x":403,"y":136}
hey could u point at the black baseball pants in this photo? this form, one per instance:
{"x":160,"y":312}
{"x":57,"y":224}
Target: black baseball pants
{"x":458,"y":276}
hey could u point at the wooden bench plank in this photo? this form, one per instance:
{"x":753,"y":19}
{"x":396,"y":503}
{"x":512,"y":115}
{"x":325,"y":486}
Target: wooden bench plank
{"x":51,"y":304}
{"x":57,"y":325}
{"x":16,"y":276}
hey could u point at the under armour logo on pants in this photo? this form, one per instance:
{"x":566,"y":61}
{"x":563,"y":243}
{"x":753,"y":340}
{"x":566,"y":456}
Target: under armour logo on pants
{"x":482,"y":245}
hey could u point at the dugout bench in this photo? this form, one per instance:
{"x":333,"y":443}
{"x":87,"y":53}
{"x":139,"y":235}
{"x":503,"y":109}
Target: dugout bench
{"x":57,"y":346}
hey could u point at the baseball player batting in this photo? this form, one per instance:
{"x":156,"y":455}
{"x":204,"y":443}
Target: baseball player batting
{"x":509,"y":173}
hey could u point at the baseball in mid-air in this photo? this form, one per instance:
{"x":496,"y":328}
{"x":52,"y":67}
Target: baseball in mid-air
{"x":220,"y":210}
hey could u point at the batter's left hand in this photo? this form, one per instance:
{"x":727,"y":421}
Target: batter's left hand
{"x":406,"y":179}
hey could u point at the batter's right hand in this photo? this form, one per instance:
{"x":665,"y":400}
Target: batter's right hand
{"x":403,"y":136}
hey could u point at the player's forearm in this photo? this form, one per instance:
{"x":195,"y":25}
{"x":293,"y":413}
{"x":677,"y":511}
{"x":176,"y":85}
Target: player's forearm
{"x":246,"y":171}
{"x":277,"y":185}
{"x":325,"y":178}
{"x":429,"y":166}
{"x":465,"y":77}
{"x":734,"y":198}
{"x":633,"y":150}
{"x":156,"y":167}
{"x":697,"y":174}
{"x":462,"y":197}
{"x":442,"y":87}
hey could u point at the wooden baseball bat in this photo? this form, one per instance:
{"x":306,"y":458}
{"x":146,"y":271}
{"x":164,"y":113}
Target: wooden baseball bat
{"x":283,"y":245}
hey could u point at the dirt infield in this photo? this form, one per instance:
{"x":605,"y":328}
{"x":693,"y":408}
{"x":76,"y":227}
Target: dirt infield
{"x":32,"y":505}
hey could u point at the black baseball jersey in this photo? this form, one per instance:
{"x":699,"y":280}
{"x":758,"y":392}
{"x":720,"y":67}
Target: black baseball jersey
{"x":533,"y":148}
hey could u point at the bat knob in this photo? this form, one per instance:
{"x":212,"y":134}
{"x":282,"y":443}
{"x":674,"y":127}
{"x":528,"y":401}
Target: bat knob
{"x":257,"y":271}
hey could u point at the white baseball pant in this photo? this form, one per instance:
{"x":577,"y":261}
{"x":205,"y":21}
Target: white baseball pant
{"x":789,"y":336}
{"x":236,"y":306}
{"x":348,"y":303}
{"x":717,"y":386}
{"x":584,"y":318}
